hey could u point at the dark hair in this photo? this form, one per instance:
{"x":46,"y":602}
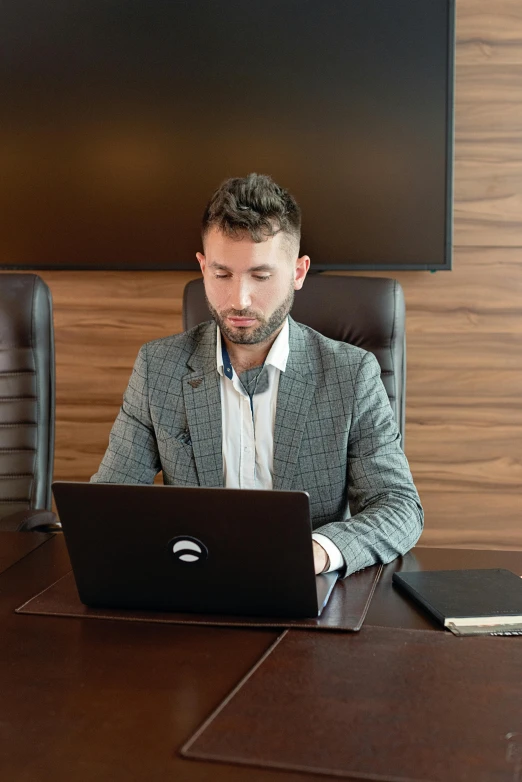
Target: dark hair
{"x":253,"y":205}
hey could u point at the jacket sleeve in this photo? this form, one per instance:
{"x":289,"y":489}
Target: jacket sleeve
{"x":132,"y":455}
{"x":387,"y":517}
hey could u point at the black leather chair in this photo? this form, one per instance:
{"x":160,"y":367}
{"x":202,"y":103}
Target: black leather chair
{"x":27,"y":403}
{"x":365,"y":311}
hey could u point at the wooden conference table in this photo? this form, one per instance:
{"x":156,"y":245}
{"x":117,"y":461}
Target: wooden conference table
{"x":104,"y":701}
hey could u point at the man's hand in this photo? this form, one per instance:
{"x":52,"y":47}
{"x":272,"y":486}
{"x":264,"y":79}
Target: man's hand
{"x":321,"y":560}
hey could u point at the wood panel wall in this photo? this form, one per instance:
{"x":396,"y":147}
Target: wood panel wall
{"x":464,"y":405}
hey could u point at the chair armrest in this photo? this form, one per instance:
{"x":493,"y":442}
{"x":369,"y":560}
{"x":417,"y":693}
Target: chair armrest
{"x":31,"y":520}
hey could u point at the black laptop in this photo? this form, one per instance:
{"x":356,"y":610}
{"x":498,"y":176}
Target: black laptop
{"x":198,"y":550}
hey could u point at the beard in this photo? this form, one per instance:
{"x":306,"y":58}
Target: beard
{"x":249,"y":335}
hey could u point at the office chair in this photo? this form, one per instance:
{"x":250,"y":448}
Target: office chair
{"x":365,"y":311}
{"x":27,"y":401}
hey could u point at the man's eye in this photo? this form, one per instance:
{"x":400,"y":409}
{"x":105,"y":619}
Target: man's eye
{"x":221,"y":276}
{"x":261,"y":276}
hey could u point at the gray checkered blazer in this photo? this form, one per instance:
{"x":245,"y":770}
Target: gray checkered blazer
{"x":335,"y":436}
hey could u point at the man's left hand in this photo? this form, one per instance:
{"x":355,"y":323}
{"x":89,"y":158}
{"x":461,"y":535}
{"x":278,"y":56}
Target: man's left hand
{"x":321,"y":561}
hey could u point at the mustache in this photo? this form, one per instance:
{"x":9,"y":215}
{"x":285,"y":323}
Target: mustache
{"x":239,"y":314}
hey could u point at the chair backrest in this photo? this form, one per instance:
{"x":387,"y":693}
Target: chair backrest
{"x":27,"y":393}
{"x":365,"y":311}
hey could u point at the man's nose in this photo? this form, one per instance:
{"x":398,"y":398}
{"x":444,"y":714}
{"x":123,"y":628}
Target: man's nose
{"x":241,"y":295}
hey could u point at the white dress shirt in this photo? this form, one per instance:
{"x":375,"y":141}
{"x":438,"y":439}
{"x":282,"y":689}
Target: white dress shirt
{"x":248,"y":431}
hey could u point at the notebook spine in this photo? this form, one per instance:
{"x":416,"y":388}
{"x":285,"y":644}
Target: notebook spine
{"x":418,"y":599}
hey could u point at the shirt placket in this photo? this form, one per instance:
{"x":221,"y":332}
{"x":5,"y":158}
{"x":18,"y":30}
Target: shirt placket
{"x":247,"y":479}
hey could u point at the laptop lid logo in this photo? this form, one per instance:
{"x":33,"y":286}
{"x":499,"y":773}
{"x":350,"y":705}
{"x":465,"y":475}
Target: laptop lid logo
{"x":188,"y":550}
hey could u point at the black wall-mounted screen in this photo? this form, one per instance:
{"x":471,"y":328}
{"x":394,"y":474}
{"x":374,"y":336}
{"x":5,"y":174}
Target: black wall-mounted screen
{"x":119,"y":118}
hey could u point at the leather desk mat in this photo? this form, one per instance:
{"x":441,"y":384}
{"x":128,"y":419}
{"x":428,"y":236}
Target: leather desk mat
{"x":345,"y":610}
{"x":385,"y":704}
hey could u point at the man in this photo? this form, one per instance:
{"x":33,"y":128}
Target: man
{"x":255,"y":400}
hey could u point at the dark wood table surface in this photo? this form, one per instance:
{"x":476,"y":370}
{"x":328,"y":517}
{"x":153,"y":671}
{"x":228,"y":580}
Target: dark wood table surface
{"x":14,"y":546}
{"x":100,"y":701}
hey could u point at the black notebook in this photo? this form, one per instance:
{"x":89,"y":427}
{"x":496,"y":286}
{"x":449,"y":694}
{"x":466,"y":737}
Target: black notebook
{"x":468,"y":602}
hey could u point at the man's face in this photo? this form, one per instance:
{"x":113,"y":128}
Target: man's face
{"x":250,"y":285}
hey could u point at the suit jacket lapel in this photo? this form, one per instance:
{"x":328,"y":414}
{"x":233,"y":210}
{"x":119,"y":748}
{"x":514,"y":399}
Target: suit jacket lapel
{"x":201,"y":393}
{"x":296,"y":391}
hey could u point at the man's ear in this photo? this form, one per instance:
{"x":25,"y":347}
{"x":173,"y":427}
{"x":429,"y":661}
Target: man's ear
{"x":202,"y":261}
{"x":301,"y":270}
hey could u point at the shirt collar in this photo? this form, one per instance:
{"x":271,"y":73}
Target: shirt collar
{"x":277,"y":355}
